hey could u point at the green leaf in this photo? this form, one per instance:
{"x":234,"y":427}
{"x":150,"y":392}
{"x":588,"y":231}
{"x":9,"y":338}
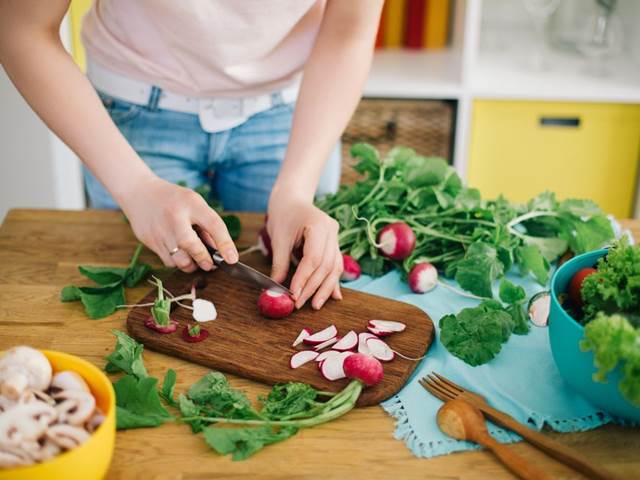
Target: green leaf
{"x":475,"y":335}
{"x":511,"y":293}
{"x":136,"y":274}
{"x":126,"y":356}
{"x":288,"y":399}
{"x":468,"y":199}
{"x":138,"y":404}
{"x":531,"y":260}
{"x":241,"y":443}
{"x":372,"y":266}
{"x":479,"y":268}
{"x":520,"y":319}
{"x":425,"y":171}
{"x":99,"y":302}
{"x":221,"y":400}
{"x":550,"y":247}
{"x":70,"y":293}
{"x":580,"y":208}
{"x":103,"y":275}
{"x":592,"y":234}
{"x":368,"y":159}
{"x":233,"y":225}
{"x":168,"y":385}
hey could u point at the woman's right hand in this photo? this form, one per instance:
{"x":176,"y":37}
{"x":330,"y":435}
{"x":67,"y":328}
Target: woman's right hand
{"x":162,"y":216}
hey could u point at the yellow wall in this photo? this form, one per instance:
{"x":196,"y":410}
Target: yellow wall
{"x":77,"y":10}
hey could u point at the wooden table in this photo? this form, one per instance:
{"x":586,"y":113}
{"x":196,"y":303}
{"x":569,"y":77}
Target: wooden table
{"x":39,"y":253}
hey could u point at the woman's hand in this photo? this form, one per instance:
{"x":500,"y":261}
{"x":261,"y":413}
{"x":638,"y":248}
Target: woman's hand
{"x":292,"y":222}
{"x":162,"y":216}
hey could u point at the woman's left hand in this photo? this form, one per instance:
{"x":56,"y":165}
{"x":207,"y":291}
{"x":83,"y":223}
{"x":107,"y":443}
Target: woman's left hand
{"x":293,"y":221}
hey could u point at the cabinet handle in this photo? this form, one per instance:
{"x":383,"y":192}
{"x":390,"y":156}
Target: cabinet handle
{"x":565,"y":122}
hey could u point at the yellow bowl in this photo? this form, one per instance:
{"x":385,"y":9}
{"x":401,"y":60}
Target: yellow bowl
{"x":90,"y":460}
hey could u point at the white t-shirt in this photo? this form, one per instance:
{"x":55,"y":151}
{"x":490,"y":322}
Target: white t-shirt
{"x":205,"y":48}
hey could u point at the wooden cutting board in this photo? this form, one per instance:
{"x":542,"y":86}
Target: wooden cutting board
{"x":244,"y":343}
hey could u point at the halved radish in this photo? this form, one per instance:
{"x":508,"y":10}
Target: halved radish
{"x":300,"y":358}
{"x":362,"y":342}
{"x":323,"y":345}
{"x":324,"y":355}
{"x":331,"y":368}
{"x":348,"y":342}
{"x":322,"y":336}
{"x":379,"y":332}
{"x":389,"y":325}
{"x":380,"y":349}
{"x":304,"y":333}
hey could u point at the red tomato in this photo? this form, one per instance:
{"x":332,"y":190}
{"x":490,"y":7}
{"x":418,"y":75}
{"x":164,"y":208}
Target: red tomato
{"x":576,"y":285}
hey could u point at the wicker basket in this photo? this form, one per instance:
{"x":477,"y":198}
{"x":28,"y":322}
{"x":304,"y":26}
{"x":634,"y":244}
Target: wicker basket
{"x":424,"y":125}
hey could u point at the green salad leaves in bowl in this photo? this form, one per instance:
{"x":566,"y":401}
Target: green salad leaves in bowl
{"x":594,"y":327}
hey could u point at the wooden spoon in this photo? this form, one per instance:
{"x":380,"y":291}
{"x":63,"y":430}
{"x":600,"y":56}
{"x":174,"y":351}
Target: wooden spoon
{"x":463,"y":421}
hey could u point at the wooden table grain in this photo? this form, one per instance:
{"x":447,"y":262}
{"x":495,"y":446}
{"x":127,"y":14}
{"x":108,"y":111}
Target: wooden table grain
{"x":39,"y":254}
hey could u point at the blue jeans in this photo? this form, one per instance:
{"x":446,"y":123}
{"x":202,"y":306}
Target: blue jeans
{"x":240,"y":164}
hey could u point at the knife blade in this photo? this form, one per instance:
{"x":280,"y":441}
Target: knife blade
{"x":246,"y":273}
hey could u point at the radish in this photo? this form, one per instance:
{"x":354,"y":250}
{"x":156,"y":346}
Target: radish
{"x":273,"y":303}
{"x":331,"y":368}
{"x":324,"y":355}
{"x":304,"y":333}
{"x":151,"y":324}
{"x":323,"y":345}
{"x":351,"y":269}
{"x":380,"y":349}
{"x":362,"y":342}
{"x":203,"y":310}
{"x":348,"y":342}
{"x":380,"y":332}
{"x":322,"y":336}
{"x":194,"y":334}
{"x":539,"y":307}
{"x":264,"y":242}
{"x":367,"y":370}
{"x":387,"y":325}
{"x":396,"y":240}
{"x":423,"y":277}
{"x":300,"y":358}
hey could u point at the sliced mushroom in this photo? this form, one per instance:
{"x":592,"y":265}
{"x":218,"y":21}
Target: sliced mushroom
{"x":38,"y":451}
{"x":25,"y":422}
{"x":67,"y":436}
{"x":75,"y":406}
{"x":10,"y":459}
{"x":95,"y":420}
{"x":68,"y":380}
{"x":23,"y":368}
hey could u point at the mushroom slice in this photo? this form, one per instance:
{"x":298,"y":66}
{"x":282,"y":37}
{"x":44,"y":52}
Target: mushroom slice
{"x":75,"y":406}
{"x":25,"y":422}
{"x":23,"y":368}
{"x":95,"y":420}
{"x":10,"y":459}
{"x":67,"y":436}
{"x":68,"y":380}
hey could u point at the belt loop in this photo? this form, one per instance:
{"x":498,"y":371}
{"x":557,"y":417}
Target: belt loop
{"x":276,"y":99}
{"x":154,"y":98}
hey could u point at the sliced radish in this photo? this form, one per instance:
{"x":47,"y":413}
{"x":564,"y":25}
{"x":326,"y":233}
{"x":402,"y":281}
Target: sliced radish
{"x":188,"y":334}
{"x":423,"y":277}
{"x":539,"y":307}
{"x":331,"y":368}
{"x":300,"y":358}
{"x":348,"y":342}
{"x":323,"y":345}
{"x":304,"y":333}
{"x":351,"y":268}
{"x":151,"y":324}
{"x":362,"y":342}
{"x":388,"y":325}
{"x":204,"y":310}
{"x":396,"y":240}
{"x":379,"y":332}
{"x":324,"y":355}
{"x":322,"y":336}
{"x":380,"y":350}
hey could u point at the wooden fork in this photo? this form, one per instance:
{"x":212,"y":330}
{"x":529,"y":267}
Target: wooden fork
{"x":445,"y":390}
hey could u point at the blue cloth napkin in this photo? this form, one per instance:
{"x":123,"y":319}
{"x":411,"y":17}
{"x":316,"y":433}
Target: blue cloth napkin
{"x":522,"y":380}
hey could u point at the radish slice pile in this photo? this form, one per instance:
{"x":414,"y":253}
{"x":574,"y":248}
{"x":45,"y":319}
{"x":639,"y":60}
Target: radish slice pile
{"x":366,"y":344}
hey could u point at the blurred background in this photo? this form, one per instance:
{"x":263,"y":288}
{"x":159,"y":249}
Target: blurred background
{"x":519,"y":95}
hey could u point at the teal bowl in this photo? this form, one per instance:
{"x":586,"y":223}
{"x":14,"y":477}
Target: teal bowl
{"x":575,"y":365}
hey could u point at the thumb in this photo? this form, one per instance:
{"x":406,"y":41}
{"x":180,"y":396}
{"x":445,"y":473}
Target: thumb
{"x":281,"y":254}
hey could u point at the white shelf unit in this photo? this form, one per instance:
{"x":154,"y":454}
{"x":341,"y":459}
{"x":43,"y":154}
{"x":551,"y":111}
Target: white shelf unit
{"x":487,"y":60}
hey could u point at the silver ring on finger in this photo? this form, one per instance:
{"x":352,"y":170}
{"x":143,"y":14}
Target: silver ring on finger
{"x":173,"y":251}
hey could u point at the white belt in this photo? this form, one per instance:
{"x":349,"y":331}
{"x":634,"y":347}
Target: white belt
{"x":215,"y":114}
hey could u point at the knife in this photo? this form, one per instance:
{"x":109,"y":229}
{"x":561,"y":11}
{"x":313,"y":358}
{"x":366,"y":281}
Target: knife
{"x":245,"y":273}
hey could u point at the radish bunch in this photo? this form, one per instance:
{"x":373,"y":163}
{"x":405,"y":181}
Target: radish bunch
{"x":335,"y":364}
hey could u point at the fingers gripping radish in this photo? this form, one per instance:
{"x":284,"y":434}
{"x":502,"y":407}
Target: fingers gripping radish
{"x":396,"y":240}
{"x":423,"y":277}
{"x":273,"y":303}
{"x":351,"y":268}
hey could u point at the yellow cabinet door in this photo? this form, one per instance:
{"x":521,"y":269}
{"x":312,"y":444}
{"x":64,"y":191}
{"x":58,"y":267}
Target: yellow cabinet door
{"x":577,"y":150}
